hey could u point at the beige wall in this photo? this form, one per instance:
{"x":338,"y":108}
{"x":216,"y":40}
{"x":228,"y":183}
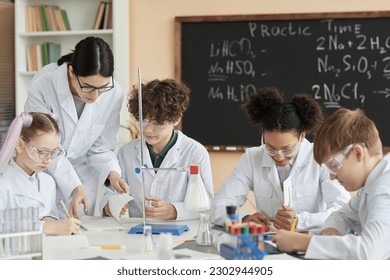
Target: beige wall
{"x":151,"y":37}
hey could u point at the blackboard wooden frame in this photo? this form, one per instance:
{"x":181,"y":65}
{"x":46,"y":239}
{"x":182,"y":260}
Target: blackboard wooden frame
{"x":179,"y":21}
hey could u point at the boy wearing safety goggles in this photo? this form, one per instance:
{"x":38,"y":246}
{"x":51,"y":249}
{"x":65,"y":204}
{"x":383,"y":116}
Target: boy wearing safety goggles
{"x":348,"y":145}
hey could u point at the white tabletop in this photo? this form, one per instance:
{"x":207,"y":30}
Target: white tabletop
{"x":79,"y":246}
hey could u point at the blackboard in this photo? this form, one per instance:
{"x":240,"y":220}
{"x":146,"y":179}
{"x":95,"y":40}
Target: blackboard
{"x":342,"y":59}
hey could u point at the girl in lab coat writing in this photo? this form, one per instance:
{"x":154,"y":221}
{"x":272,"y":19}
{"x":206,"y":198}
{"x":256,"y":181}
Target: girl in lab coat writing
{"x":287,"y":183}
{"x":163,"y":104}
{"x":35,"y":138}
{"x":348,"y":145}
{"x":81,"y":91}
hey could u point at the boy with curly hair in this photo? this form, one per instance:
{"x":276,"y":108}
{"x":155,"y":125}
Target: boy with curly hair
{"x":163,"y":105}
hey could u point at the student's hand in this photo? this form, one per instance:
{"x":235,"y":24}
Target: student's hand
{"x":107,"y":212}
{"x":284,"y":217}
{"x":61,"y":227}
{"x":330,"y":231}
{"x":259,"y":218}
{"x":291,"y":241}
{"x":160,"y":209}
{"x":79,"y":196}
{"x":118,"y":183}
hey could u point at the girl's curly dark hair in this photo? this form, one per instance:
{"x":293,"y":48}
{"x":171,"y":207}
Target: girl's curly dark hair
{"x":267,"y":107}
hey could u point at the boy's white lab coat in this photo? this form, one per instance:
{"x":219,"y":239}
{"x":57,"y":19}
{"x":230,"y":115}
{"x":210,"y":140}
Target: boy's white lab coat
{"x":88,"y":142}
{"x":314,"y":195}
{"x":17,"y":191}
{"x":170,"y":186}
{"x":367,"y":215}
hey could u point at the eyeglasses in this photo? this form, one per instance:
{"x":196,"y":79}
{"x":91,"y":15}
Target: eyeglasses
{"x":334,"y":164}
{"x":153,"y":124}
{"x":91,"y":89}
{"x":287,"y":153}
{"x":41,"y":155}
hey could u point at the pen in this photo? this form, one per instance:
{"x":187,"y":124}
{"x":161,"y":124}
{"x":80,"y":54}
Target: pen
{"x":109,"y":247}
{"x":184,"y":240}
{"x":67,"y":213}
{"x":293,"y":224}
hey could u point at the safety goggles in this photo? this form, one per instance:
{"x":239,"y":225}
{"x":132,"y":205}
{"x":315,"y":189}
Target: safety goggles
{"x":287,"y":153}
{"x":38,"y":155}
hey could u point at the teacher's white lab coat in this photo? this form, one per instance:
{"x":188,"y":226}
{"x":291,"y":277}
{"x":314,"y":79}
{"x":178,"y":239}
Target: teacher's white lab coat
{"x":366,"y":215}
{"x":88,"y":142}
{"x":17,"y":191}
{"x":314,"y":194}
{"x":170,"y":186}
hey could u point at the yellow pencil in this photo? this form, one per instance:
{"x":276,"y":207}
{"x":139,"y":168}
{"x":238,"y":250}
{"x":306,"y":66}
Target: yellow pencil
{"x":109,"y":247}
{"x":293,"y":224}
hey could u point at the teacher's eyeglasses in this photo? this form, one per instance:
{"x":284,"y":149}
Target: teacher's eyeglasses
{"x":91,"y":89}
{"x":38,"y":155}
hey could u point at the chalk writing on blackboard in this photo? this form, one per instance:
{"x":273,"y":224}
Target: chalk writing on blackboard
{"x":343,"y":60}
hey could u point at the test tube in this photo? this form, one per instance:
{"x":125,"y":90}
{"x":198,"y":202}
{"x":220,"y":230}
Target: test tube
{"x":2,"y":232}
{"x":19,"y":228}
{"x":26,"y":239}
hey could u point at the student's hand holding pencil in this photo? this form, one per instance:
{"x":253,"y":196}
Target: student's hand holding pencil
{"x":285,"y":218}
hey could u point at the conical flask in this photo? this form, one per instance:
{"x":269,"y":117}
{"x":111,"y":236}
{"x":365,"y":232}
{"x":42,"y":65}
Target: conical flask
{"x":198,"y":199}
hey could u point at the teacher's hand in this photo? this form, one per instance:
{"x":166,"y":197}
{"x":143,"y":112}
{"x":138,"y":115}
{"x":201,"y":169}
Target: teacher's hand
{"x":118,"y":183}
{"x":79,"y":196}
{"x":259,"y":218}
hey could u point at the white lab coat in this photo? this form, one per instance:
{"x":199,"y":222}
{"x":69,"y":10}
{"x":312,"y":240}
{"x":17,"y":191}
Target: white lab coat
{"x":366,"y":215}
{"x":314,"y":194}
{"x":88,"y":142}
{"x":170,"y":186}
{"x":16,"y":191}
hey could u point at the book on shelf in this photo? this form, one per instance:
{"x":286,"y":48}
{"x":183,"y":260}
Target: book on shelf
{"x":41,"y":17}
{"x":38,"y":55}
{"x":103,"y":19}
{"x":66,"y":19}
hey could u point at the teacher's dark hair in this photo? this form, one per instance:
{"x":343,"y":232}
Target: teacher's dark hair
{"x":91,"y":56}
{"x":267,"y":107}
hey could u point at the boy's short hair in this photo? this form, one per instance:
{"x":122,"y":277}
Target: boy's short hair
{"x":342,"y":128}
{"x":162,"y":100}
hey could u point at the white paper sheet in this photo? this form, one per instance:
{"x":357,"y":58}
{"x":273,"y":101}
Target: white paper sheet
{"x":116,"y":203}
{"x":287,"y":192}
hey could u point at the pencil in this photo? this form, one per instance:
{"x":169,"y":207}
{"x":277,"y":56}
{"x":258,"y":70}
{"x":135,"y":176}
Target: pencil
{"x":67,"y":213}
{"x":293,"y":224}
{"x":109,"y":247}
{"x":184,"y":240}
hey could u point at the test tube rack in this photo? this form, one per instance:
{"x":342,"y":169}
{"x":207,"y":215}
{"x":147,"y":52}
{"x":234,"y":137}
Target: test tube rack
{"x":243,"y":247}
{"x":21,"y":245}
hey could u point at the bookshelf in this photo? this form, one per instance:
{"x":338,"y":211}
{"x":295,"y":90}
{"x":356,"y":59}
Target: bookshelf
{"x":81,"y":16}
